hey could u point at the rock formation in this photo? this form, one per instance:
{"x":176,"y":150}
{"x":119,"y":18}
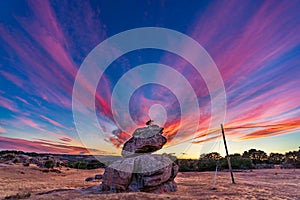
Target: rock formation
{"x":144,"y":140}
{"x":139,"y":170}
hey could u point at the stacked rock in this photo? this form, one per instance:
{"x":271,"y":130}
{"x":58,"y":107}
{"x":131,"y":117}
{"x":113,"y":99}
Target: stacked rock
{"x":139,"y":170}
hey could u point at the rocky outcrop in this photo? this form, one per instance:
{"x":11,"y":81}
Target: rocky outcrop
{"x":139,"y":170}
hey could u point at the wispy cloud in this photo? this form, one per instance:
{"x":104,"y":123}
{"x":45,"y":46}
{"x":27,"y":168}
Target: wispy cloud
{"x":2,"y":130}
{"x":44,"y":146}
{"x":13,"y":78}
{"x":8,"y":104}
{"x":55,"y":123}
{"x":66,"y":139}
{"x":282,"y":127}
{"x":22,"y":100}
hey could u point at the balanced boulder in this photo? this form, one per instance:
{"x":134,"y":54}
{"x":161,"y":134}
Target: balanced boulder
{"x":139,"y":170}
{"x":144,"y":140}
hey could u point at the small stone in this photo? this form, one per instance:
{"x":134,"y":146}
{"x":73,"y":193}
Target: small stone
{"x":89,"y":179}
{"x":98,"y":176}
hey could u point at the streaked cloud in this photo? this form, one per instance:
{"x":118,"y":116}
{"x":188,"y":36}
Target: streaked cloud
{"x":55,"y":123}
{"x":2,"y":130}
{"x":44,"y":147}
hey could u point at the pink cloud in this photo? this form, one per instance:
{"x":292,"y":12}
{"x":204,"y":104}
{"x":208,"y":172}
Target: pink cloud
{"x":52,"y":86}
{"x":45,"y":146}
{"x":22,"y":100}
{"x":2,"y":130}
{"x":56,"y":66}
{"x":8,"y":104}
{"x":29,"y":122}
{"x":12,"y":78}
{"x":52,"y":121}
{"x":282,"y":127}
{"x":66,"y":139}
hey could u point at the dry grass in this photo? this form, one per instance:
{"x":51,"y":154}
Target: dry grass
{"x":257,"y":184}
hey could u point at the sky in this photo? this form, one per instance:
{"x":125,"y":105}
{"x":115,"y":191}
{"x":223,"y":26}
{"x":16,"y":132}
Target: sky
{"x":255,"y":46}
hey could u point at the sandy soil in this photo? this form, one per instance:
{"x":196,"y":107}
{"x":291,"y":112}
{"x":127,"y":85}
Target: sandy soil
{"x":256,"y":184}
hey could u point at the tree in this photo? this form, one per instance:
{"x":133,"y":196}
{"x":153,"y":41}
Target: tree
{"x":208,"y":162}
{"x":293,"y":158}
{"x":276,"y":158}
{"x":187,"y":165}
{"x":257,"y":156}
{"x":237,"y":162}
{"x":212,"y":156}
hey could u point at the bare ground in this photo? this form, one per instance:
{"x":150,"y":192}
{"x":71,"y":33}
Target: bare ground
{"x":256,"y":184}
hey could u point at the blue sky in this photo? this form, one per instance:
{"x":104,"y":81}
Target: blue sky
{"x":254,"y":44}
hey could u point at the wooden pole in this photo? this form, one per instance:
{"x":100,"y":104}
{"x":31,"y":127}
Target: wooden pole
{"x":227,"y":155}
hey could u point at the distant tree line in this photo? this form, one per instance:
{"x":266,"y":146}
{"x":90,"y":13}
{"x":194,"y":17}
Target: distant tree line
{"x":50,"y":161}
{"x":92,"y":164}
{"x":207,"y":162}
{"x":248,"y":160}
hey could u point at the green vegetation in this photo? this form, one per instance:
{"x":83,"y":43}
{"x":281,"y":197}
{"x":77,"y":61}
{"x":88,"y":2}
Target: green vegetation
{"x":292,"y":158}
{"x":249,"y":160}
{"x":49,"y":164}
{"x":188,"y":165}
{"x":81,"y":165}
{"x":256,"y":156}
{"x":93,"y":164}
{"x":237,"y":162}
{"x":276,"y":158}
{"x":207,"y":162}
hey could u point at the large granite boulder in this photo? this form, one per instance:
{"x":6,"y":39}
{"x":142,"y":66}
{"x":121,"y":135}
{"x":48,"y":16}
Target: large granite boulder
{"x":146,"y":173}
{"x":144,"y":140}
{"x":139,"y":170}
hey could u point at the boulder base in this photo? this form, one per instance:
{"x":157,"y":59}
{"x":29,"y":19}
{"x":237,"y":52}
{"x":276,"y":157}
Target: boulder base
{"x":146,"y":173}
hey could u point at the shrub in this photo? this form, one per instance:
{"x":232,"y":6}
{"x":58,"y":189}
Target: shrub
{"x":19,"y":196}
{"x":276,"y":158}
{"x":80,"y":165}
{"x":207,"y":165}
{"x":292,"y":158}
{"x":188,"y":165}
{"x":8,"y":156}
{"x":237,"y":162}
{"x":49,"y":164}
{"x":95,"y":164}
{"x":209,"y":161}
